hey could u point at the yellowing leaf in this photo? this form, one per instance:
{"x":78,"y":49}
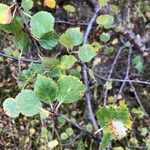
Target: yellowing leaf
{"x":50,"y":3}
{"x":5,"y":14}
{"x":69,"y":8}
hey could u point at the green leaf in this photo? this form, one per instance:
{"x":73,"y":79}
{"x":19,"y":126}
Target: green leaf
{"x":44,"y":113}
{"x":109,"y":50}
{"x":70,"y":131}
{"x":102,"y":3}
{"x":67,"y":61}
{"x":114,"y":117}
{"x":69,"y":8}
{"x":8,"y":51}
{"x":21,"y":41}
{"x":138,"y":64}
{"x":64,"y":136}
{"x":114,"y":8}
{"x":10,"y":107}
{"x":28,"y":103}
{"x":86,"y":53}
{"x":45,"y":88}
{"x":49,"y":40}
{"x":105,"y":37}
{"x":13,"y":27}
{"x":41,"y":23}
{"x":108,"y":85}
{"x":105,"y":21}
{"x":49,"y":62}
{"x":66,"y":41}
{"x":27,"y":4}
{"x":70,"y":90}
{"x":72,"y":37}
{"x":105,"y":140}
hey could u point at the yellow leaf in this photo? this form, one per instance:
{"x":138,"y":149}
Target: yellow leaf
{"x":69,"y":8}
{"x":5,"y":14}
{"x":50,"y":3}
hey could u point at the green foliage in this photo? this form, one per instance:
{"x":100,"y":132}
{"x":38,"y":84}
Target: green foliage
{"x":27,"y":5}
{"x":28,"y":103}
{"x":49,"y":62}
{"x":13,"y":27}
{"x":112,"y":118}
{"x":67,"y":61}
{"x":105,"y":21}
{"x":105,"y":37}
{"x":49,"y":40}
{"x":138,"y":64}
{"x":102,"y":2}
{"x":69,"y":8}
{"x":10,"y":107}
{"x":70,"y":89}
{"x":106,"y":139}
{"x":86,"y":53}
{"x":72,"y":37}
{"x":41,"y":23}
{"x":8,"y":51}
{"x":45,"y":88}
{"x":21,"y":41}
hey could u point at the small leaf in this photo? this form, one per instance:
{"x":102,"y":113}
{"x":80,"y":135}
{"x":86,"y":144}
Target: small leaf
{"x":52,"y":144}
{"x":21,"y":41}
{"x":105,"y":21}
{"x":86,"y":53}
{"x":44,"y":113}
{"x":114,"y":9}
{"x":138,"y":64}
{"x":70,"y":89}
{"x":67,"y":61}
{"x":41,"y":23}
{"x":108,"y":85}
{"x":8,"y":51}
{"x":64,"y":136}
{"x":49,"y":40}
{"x":10,"y":107}
{"x":50,"y":3}
{"x":105,"y":37}
{"x":102,"y":3}
{"x":69,"y":131}
{"x":5,"y":14}
{"x":49,"y":62}
{"x":72,"y":37}
{"x":96,"y":46}
{"x":27,"y":5}
{"x":45,"y":88}
{"x":69,"y":8}
{"x":109,"y":50}
{"x":28,"y":103}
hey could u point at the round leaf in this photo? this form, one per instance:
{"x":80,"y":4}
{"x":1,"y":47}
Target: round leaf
{"x":49,"y":40}
{"x":105,"y":20}
{"x":41,"y":23}
{"x":10,"y":107}
{"x":50,"y":3}
{"x":28,"y":103}
{"x":72,"y":37}
{"x":105,"y":37}
{"x":5,"y":14}
{"x":70,"y":89}
{"x":45,"y":88}
{"x":86,"y":53}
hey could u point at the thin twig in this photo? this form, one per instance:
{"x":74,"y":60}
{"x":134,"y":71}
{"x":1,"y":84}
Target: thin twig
{"x":127,"y":71}
{"x":87,"y":95}
{"x":111,"y":71}
{"x":21,"y":59}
